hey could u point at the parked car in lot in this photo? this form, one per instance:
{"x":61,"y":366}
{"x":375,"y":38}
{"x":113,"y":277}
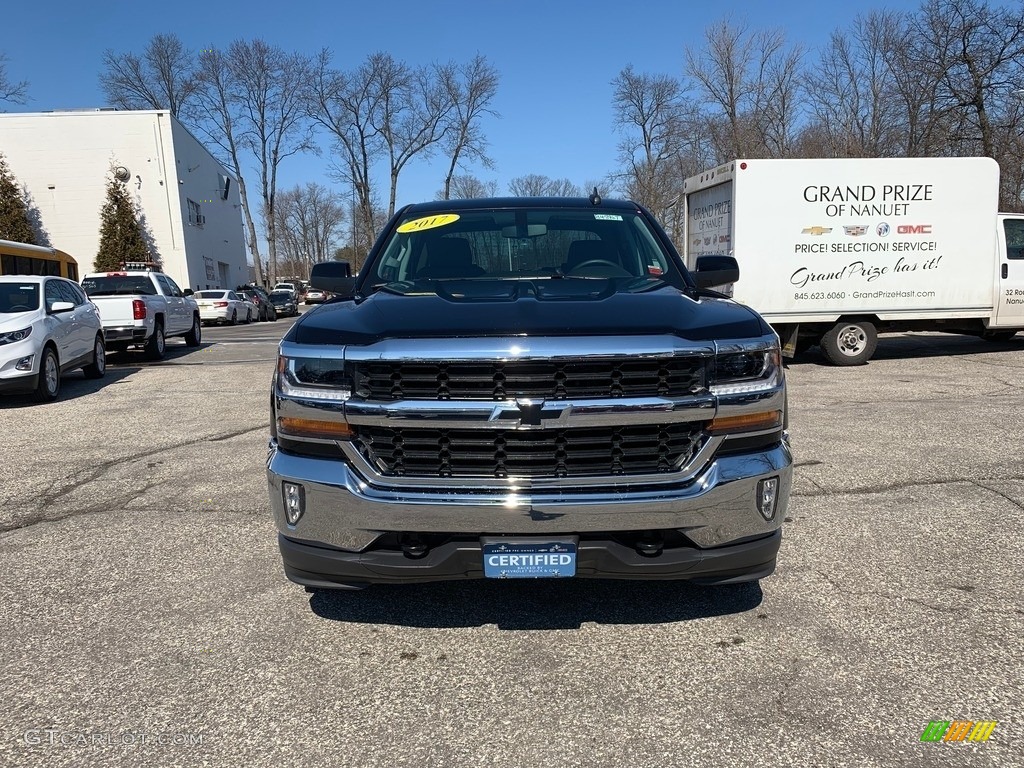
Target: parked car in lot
{"x":48,"y":327}
{"x":287,"y":286}
{"x":285,"y":303}
{"x":316,"y":296}
{"x":251,"y":311}
{"x":261,"y":299}
{"x":142,"y":308}
{"x":220,"y":306}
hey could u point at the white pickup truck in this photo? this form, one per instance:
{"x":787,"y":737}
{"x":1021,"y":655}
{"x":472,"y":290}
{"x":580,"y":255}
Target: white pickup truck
{"x":141,"y":309}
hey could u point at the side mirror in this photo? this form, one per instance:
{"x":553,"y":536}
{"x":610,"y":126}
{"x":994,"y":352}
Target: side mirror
{"x":716,"y":270}
{"x":333,"y":276}
{"x":61,"y":306}
{"x":188,"y":292}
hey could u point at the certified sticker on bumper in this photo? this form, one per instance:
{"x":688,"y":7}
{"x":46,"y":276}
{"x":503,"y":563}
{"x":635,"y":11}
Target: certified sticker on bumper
{"x":529,"y":559}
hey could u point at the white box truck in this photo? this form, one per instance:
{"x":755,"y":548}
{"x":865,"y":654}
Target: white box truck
{"x":834,"y":251}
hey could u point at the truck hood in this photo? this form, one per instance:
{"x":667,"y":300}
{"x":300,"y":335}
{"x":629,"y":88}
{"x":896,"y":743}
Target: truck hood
{"x":451,"y":309}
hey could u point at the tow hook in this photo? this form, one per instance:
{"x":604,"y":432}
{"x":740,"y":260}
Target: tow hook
{"x":650,"y":547}
{"x":413,"y":546}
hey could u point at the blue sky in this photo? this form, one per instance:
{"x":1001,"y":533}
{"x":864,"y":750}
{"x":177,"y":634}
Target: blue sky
{"x":556,"y":59}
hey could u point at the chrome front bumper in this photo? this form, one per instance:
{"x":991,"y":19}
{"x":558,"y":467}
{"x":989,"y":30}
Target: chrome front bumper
{"x":713,"y":508}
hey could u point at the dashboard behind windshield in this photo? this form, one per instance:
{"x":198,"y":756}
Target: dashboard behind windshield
{"x":521,"y":243}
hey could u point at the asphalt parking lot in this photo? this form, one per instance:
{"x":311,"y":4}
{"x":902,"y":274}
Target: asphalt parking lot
{"x":148,"y":622}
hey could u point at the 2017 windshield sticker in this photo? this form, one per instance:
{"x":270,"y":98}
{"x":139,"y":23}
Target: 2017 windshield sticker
{"x":607,"y":217}
{"x":428,"y":222}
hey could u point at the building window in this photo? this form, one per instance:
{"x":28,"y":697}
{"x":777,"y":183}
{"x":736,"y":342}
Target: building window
{"x":195,"y":215}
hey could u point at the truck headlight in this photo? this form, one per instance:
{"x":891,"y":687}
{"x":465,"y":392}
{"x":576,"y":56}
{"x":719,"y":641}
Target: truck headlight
{"x":313,"y":378}
{"x":747,"y":371}
{"x":318,"y":382}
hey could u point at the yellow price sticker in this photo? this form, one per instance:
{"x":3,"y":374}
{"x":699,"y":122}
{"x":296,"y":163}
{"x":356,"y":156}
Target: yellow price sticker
{"x":428,"y":222}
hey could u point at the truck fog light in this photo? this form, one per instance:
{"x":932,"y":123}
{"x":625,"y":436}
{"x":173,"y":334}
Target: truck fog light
{"x":767,"y":497}
{"x":25,"y":364}
{"x":294,"y":502}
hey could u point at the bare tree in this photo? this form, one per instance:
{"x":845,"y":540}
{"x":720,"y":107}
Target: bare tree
{"x":650,"y":116}
{"x":471,"y":87}
{"x":854,"y":93}
{"x":383,"y":110}
{"x":11,"y":91}
{"x":269,"y":85}
{"x":977,"y":52}
{"x":749,"y":81}
{"x":537,"y":185}
{"x":308,"y":227}
{"x":161,"y":78}
{"x":414,"y":113}
{"x":467,"y":187}
{"x":346,"y":105}
{"x":218,"y":116}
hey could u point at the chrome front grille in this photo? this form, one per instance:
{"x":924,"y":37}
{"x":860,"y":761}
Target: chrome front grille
{"x":551,"y":453}
{"x":669,"y":376}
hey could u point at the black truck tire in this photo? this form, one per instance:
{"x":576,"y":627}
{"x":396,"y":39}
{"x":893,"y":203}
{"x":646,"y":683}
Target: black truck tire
{"x":850,"y":342}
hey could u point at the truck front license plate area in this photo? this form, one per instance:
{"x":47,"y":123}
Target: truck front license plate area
{"x":520,"y":558}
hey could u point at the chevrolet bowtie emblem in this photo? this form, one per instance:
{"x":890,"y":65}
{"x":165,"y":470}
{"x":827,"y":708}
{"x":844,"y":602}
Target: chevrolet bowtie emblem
{"x":817,"y":230}
{"x":531,"y":413}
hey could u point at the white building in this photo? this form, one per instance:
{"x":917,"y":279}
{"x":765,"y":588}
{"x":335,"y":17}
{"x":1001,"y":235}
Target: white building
{"x":188,"y":199}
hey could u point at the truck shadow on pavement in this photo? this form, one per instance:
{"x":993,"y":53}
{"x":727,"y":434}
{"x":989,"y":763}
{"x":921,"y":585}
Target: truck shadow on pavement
{"x":534,"y":604}
{"x":72,"y":386}
{"x":914,"y":346}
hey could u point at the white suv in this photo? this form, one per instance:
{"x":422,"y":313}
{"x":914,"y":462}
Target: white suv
{"x":48,"y":326}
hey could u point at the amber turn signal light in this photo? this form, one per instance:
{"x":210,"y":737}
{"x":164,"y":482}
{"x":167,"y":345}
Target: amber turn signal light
{"x":748,"y":422}
{"x":329,"y":430}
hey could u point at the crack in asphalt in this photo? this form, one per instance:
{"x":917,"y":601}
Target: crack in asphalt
{"x":39,"y":516}
{"x":121,"y":505}
{"x":997,"y":492}
{"x":61,"y":488}
{"x":787,"y":680}
{"x":872,"y":489}
{"x":884,"y":595}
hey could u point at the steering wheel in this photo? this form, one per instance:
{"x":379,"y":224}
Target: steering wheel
{"x":594,"y":263}
{"x":19,"y":308}
{"x":600,"y":263}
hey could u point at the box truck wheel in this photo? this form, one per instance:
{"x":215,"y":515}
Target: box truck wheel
{"x":850,"y":342}
{"x":998,"y":335}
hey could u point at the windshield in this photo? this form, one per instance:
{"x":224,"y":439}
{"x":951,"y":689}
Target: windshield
{"x":510,"y":244}
{"x":112,"y":285}
{"x":18,"y":297}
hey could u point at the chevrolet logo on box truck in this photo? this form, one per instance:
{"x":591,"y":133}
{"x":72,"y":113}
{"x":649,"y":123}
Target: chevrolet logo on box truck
{"x":932,"y":252}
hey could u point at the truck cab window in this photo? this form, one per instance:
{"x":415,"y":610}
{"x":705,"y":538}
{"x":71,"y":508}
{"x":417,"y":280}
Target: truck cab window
{"x":1014,"y":229}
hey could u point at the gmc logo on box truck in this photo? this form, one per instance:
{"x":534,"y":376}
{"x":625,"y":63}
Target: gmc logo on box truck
{"x":914,"y":229}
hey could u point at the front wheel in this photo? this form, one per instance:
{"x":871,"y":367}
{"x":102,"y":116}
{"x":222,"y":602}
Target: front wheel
{"x":157,"y":344}
{"x":849,"y":342}
{"x":998,"y":335}
{"x":48,"y":386}
{"x":98,"y":367}
{"x":195,"y":336}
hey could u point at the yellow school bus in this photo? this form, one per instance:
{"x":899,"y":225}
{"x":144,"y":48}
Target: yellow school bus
{"x":22,"y":259}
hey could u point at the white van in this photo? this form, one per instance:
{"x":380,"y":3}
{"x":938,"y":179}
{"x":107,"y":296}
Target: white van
{"x":834,"y":251}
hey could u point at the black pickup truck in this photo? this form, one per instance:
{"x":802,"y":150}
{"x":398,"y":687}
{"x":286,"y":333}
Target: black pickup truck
{"x":528,"y":388}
